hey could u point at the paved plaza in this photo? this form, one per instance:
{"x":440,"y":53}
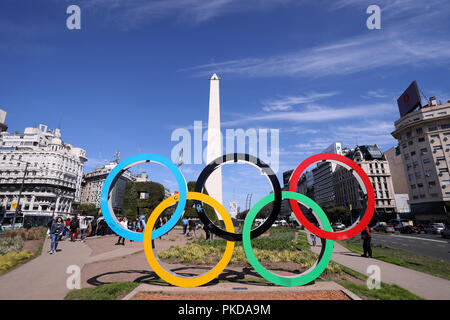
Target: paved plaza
{"x":102,"y":262}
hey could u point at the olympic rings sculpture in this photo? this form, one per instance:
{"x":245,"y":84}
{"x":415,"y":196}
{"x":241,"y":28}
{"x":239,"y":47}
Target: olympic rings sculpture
{"x":325,"y":232}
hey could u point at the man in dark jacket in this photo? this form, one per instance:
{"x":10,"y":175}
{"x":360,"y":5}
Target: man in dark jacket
{"x":74,"y":225}
{"x":366,"y":236}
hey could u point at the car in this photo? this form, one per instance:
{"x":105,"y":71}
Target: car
{"x":434,"y":228}
{"x":379,"y":227}
{"x":389,"y":229}
{"x":408,"y":229}
{"x":338,"y":226}
{"x":446,"y":232}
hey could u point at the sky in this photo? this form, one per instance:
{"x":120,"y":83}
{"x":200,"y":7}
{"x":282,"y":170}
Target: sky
{"x":138,"y":70}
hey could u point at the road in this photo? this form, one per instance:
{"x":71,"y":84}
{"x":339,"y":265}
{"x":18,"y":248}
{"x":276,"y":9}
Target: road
{"x":425,"y":244}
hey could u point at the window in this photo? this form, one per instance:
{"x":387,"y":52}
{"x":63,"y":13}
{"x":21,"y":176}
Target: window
{"x":410,"y":143}
{"x":415,"y":164}
{"x":403,"y":146}
{"x":408,"y":134}
{"x":445,"y":182}
{"x":434,"y":195}
{"x":440,"y":158}
{"x":442,"y":113}
{"x":442,"y":170}
{"x":431,"y":184}
{"x":413,"y":153}
{"x":418,"y":175}
{"x":413,"y":186}
{"x":421,"y":139}
{"x":420,"y":185}
{"x":437,"y":148}
{"x":410,"y":176}
{"x":424,"y":150}
{"x":445,"y":126}
{"x":428,"y":173}
{"x":406,"y":156}
{"x":435,"y":136}
{"x":432,"y":128}
{"x":419,"y":131}
{"x":426,"y":160}
{"x":430,"y":115}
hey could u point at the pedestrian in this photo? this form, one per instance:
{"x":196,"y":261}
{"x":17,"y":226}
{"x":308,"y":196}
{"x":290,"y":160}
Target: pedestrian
{"x":185,"y":224}
{"x":123,"y":224}
{"x":49,"y":225}
{"x":367,"y":247}
{"x":164,"y":221}
{"x":74,"y":225}
{"x":207,"y":233}
{"x":67,"y":229}
{"x":56,"y":231}
{"x":93,"y":228}
{"x":314,"y":239}
{"x":191,"y":225}
{"x":132,"y":226}
{"x":83,"y":227}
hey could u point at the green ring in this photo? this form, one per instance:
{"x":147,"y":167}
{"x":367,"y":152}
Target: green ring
{"x":290,"y":281}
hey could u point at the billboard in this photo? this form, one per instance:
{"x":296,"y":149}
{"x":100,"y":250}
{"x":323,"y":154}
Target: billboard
{"x":409,"y":100}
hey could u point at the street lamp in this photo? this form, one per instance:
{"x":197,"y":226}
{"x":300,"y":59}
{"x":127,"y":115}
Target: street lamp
{"x":20,"y":194}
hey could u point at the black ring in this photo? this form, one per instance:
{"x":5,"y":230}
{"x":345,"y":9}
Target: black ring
{"x":235,"y":157}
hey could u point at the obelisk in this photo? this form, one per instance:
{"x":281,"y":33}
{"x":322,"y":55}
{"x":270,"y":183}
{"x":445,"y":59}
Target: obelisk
{"x":214,"y":143}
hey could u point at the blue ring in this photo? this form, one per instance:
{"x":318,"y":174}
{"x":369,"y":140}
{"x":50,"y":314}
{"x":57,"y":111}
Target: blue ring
{"x":139,"y":236}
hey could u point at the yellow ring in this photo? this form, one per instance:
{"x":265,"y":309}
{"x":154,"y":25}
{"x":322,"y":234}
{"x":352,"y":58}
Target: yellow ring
{"x":170,"y":277}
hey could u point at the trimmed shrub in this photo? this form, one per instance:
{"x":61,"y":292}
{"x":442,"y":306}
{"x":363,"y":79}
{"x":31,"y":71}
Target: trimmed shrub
{"x":11,"y":259}
{"x":11,"y":245}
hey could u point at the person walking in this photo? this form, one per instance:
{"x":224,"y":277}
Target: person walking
{"x":207,"y":233}
{"x":367,"y":247}
{"x":191,"y":224}
{"x":83,"y":227}
{"x":313,"y":239}
{"x":67,"y":229}
{"x":56,"y":231}
{"x":185,"y":224}
{"x":74,"y":225}
{"x":123,"y":224}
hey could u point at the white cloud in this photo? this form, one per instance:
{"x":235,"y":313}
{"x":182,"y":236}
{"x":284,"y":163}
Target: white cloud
{"x":287,"y":103}
{"x":315,"y":114}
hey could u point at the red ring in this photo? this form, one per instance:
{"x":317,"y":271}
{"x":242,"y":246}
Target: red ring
{"x":342,"y":235}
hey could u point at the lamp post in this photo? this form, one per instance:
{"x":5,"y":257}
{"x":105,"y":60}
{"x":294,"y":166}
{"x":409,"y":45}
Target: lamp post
{"x":20,"y":195}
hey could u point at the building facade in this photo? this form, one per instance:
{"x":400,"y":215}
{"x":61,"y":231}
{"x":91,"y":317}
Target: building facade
{"x":348,"y":192}
{"x":424,"y":140}
{"x":93,"y":182}
{"x":323,"y":178}
{"x":394,"y":157}
{"x":50,"y":169}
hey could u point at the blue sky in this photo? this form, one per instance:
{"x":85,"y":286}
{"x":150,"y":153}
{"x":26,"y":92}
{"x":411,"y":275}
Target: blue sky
{"x":139,"y":69}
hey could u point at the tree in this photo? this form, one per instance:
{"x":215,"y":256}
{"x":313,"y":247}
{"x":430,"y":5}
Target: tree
{"x":88,"y":209}
{"x":190,"y":210}
{"x":134,"y":205}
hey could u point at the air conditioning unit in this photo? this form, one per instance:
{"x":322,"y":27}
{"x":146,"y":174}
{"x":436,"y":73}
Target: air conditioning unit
{"x":437,"y":163}
{"x":434,"y":151}
{"x":440,"y":174}
{"x":443,"y":187}
{"x":445,"y":139}
{"x":432,"y":140}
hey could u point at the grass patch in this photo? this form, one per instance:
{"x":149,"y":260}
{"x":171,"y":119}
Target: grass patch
{"x":277,"y":248}
{"x":110,"y":291}
{"x":386,"y":292}
{"x":402,"y":258}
